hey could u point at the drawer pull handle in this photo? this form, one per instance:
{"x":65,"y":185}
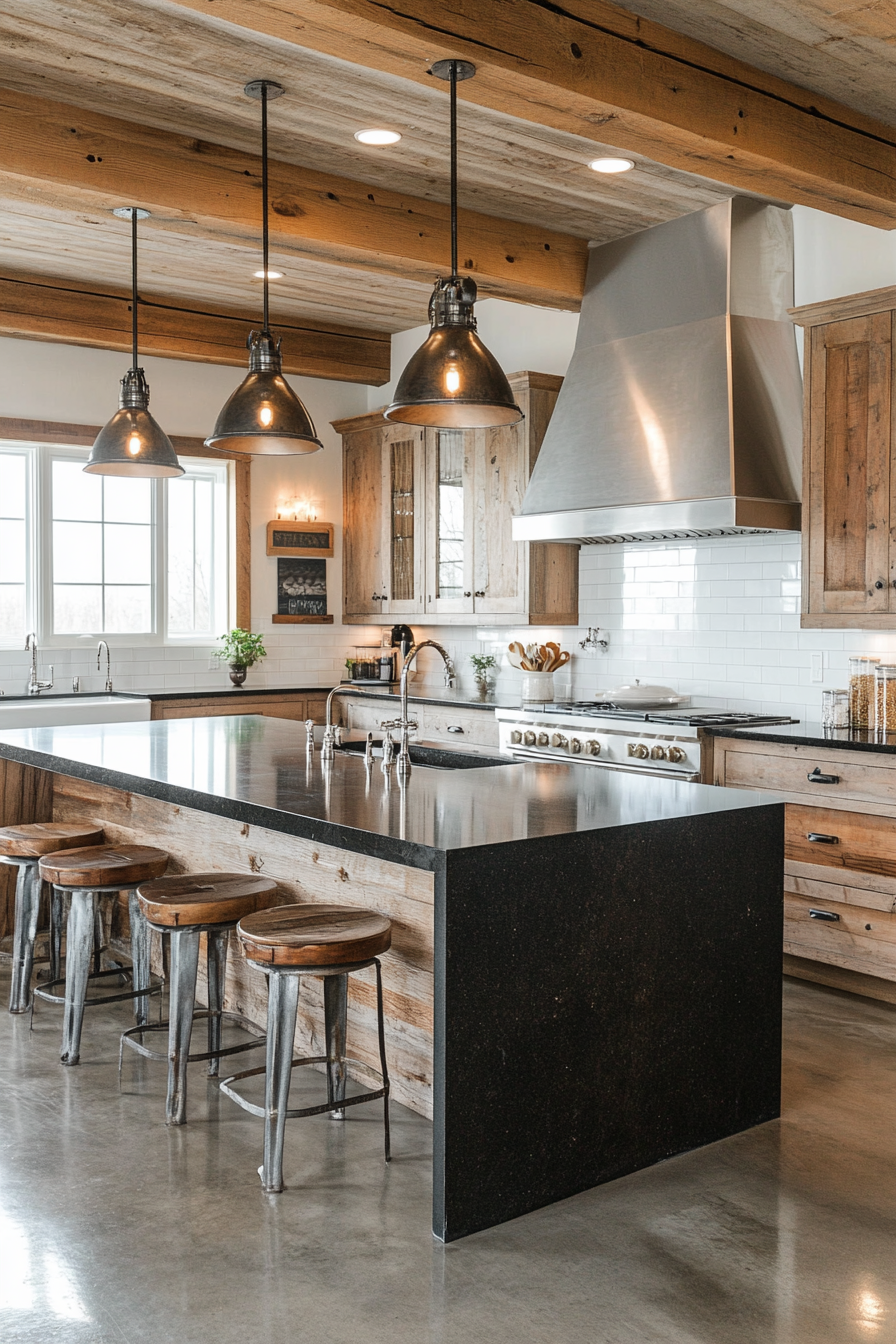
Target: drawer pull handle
{"x":816,"y":777}
{"x":827,"y":915}
{"x":455,"y":728}
{"x":818,"y":839}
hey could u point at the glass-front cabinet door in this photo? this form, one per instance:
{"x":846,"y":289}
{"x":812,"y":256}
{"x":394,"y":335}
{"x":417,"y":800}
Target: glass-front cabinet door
{"x":449,"y":512}
{"x":403,"y":487}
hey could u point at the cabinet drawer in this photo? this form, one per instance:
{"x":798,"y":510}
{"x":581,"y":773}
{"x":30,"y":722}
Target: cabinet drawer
{"x":839,"y":839}
{"x":479,"y":727}
{"x":834,"y":776}
{"x":860,"y":939}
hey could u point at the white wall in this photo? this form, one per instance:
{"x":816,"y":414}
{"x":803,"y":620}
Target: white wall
{"x":718,"y":619}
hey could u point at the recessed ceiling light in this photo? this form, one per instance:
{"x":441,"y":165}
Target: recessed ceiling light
{"x":272,"y":275}
{"x":374,"y":137}
{"x":611,"y":165}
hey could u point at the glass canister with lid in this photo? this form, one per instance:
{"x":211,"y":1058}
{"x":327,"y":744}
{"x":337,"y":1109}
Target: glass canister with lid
{"x":885,"y":698}
{"x":835,"y":709}
{"x":861,"y":690}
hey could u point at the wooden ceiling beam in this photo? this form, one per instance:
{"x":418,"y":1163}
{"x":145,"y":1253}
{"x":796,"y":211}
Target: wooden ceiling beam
{"x":594,"y":69}
{"x":207,"y":190}
{"x":43,"y":309}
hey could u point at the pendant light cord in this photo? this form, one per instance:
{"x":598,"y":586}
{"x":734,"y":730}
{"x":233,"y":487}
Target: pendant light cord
{"x":264,"y":194}
{"x":133,"y":287}
{"x":454,"y":168}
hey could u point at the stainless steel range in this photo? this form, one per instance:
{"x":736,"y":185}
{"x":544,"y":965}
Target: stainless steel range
{"x":643,"y":741}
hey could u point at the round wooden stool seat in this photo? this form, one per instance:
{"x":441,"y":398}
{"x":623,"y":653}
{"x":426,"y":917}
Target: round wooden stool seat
{"x":314,"y":935}
{"x":37,"y":838}
{"x":204,"y":898}
{"x":104,"y":866}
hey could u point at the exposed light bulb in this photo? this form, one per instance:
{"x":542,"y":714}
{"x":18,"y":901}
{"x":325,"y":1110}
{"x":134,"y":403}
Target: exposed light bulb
{"x":265,"y":415}
{"x":452,"y":380}
{"x":609,"y":165}
{"x":374,"y":137}
{"x":134,"y":445}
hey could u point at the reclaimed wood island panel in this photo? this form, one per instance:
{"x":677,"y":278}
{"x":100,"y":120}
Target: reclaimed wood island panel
{"x":585,"y":972}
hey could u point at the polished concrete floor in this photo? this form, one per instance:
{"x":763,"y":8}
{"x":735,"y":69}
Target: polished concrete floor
{"x":115,"y":1230}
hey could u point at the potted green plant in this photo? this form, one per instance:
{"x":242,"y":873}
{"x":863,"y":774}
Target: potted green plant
{"x":241,"y":650}
{"x":484,"y":665}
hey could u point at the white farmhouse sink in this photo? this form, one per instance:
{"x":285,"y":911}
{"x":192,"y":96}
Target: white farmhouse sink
{"x":62,"y":710}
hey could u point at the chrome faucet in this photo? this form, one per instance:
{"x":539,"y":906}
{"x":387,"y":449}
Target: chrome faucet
{"x":405,"y":724}
{"x":329,"y":744}
{"x":35,"y":686}
{"x":99,"y":654}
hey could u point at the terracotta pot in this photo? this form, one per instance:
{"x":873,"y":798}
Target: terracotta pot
{"x":238,"y":673}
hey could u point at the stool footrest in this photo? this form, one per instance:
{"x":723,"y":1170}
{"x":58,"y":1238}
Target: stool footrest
{"x":296,"y":1114}
{"x":236,"y":1019}
{"x":155,"y":986}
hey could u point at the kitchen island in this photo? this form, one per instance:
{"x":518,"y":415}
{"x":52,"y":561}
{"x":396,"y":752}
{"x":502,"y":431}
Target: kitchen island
{"x":585,"y":972}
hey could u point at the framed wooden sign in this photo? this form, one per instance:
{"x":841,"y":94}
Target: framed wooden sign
{"x":292,"y":538}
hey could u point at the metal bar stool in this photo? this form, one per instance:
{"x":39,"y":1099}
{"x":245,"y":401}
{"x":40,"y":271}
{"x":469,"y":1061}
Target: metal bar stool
{"x":88,"y":875}
{"x":286,"y":943}
{"x":23,"y":847}
{"x":185,"y":907}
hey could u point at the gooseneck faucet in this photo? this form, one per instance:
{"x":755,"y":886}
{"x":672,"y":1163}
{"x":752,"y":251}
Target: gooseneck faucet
{"x":35,"y":686}
{"x":405,"y":724}
{"x":99,"y":653}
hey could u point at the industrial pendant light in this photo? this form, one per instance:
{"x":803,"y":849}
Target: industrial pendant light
{"x":453,"y":381}
{"x":132,"y":444}
{"x":264,"y":417}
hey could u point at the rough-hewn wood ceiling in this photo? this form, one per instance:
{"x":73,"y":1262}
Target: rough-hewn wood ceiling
{"x":843,"y":48}
{"x":152,"y":62}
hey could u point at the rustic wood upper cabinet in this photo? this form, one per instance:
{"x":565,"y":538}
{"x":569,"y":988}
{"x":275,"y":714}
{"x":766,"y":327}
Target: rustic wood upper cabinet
{"x":462,"y":488}
{"x":849,"y":475}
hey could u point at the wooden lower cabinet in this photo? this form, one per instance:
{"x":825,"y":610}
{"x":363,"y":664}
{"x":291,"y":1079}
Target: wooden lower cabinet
{"x":456,"y":727}
{"x":290,"y":705}
{"x":839,"y":856}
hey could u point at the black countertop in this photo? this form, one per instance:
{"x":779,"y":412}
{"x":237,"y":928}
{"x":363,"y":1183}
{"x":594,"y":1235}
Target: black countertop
{"x":812,"y":735}
{"x":255,"y":770}
{"x":460,"y":699}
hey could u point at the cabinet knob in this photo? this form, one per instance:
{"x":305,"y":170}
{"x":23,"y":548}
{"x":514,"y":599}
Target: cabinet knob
{"x":481,"y":593}
{"x":468,"y":594}
{"x":879,"y":584}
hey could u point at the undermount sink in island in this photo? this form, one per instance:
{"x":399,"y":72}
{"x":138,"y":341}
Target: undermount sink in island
{"x":586,"y":966}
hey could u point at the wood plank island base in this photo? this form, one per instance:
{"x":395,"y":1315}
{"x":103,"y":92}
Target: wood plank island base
{"x":585,"y":970}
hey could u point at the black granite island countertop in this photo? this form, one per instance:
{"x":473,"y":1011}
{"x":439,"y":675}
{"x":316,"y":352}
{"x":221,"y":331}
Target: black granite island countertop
{"x":256,"y":770}
{"x":811,"y":735}
{"x":603,"y":950}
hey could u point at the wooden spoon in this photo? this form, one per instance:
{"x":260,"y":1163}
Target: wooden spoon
{"x":519,"y":652}
{"x":513,"y":657}
{"x":560,"y":661}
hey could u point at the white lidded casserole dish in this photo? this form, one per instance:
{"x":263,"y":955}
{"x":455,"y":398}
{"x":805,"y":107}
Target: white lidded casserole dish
{"x":641,"y":695}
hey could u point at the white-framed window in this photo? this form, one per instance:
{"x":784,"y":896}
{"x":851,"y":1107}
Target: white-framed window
{"x":133,"y":561}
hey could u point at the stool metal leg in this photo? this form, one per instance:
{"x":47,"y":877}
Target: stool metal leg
{"x":141,"y":936}
{"x":335,"y":1015}
{"x":79,"y":947}
{"x":217,"y":969}
{"x":28,"y":886}
{"x":184,"y":965}
{"x":381,"y":1033}
{"x":283,"y":1002}
{"x":57,"y":909}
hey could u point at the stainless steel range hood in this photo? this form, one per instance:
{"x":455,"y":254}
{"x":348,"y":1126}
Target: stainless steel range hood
{"x":681,"y":412}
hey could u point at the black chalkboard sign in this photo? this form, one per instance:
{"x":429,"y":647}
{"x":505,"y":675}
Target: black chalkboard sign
{"x":289,"y":538}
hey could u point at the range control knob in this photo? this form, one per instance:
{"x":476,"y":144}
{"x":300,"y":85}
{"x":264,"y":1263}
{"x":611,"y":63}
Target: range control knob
{"x":576,"y":746}
{"x":592,"y":747}
{"x":542,"y":739}
{"x":529,"y":738}
{"x":516,"y":736}
{"x":558,"y":740}
{"x":638,"y":749}
{"x":677,"y":755}
{"x":657,"y":753}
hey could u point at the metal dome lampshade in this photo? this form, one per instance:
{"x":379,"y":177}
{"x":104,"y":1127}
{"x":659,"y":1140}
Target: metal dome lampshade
{"x":453,"y":381}
{"x":132,"y":443}
{"x":264,"y":417}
